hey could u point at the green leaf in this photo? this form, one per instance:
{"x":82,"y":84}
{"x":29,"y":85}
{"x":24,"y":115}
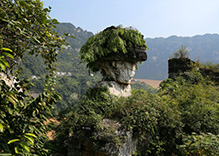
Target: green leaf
{"x":2,"y":66}
{"x":29,"y":139}
{"x":9,"y":55}
{"x":31,"y":134}
{"x":1,"y":128}
{"x":5,"y":62}
{"x":55,"y":21}
{"x":11,"y":100}
{"x":72,"y":37}
{"x":16,"y":150}
{"x":24,"y":146}
{"x":7,"y":49}
{"x":14,"y":140}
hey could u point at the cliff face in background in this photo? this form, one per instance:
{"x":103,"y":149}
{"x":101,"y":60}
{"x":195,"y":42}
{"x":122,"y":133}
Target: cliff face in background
{"x":202,"y":47}
{"x":73,"y":78}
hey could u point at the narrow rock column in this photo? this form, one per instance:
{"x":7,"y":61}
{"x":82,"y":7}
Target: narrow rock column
{"x":118,"y":76}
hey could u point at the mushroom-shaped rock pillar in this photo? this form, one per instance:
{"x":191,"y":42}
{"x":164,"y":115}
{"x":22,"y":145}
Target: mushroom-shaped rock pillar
{"x":116,"y":52}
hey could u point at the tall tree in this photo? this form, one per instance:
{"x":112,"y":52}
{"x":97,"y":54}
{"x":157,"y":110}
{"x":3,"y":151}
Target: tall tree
{"x":25,"y":27}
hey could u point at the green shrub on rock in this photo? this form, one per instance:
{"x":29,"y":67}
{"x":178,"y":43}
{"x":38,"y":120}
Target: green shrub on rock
{"x":111,"y":40}
{"x":162,"y":123}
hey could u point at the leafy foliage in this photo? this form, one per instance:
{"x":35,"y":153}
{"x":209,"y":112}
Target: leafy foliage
{"x":196,"y":104}
{"x":111,"y":40}
{"x":164,"y":123}
{"x":23,"y":146}
{"x":181,"y":53}
{"x":209,"y":65}
{"x":204,"y":144}
{"x":5,"y":53}
{"x":25,"y":27}
{"x":72,"y":77}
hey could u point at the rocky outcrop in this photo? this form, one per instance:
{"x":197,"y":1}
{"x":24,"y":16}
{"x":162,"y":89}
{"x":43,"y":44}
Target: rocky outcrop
{"x":106,"y":144}
{"x":177,"y":66}
{"x":118,"y":69}
{"x":115,"y":52}
{"x":183,"y":65}
{"x":116,"y":88}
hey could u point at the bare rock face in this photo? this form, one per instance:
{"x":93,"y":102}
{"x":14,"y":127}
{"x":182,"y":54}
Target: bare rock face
{"x":116,"y":88}
{"x":119,"y":69}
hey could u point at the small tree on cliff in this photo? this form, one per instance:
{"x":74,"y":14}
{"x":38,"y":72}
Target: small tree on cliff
{"x":181,"y":53}
{"x":25,"y":27}
{"x":111,"y":40}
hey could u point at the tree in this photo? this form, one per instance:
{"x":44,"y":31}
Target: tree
{"x":181,"y":53}
{"x":195,"y":101}
{"x":25,"y":27}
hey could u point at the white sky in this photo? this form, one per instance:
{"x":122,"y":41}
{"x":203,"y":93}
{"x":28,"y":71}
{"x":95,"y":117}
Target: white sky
{"x":153,"y":18}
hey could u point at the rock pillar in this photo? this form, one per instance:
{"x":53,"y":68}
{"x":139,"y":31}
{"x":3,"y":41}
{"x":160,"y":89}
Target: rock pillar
{"x":118,"y":69}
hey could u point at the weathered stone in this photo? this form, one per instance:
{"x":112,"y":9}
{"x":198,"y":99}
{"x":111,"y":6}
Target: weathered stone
{"x":185,"y":65}
{"x":175,"y":66}
{"x":9,"y":80}
{"x":116,"y":88}
{"x":119,"y":69}
{"x":133,"y":55}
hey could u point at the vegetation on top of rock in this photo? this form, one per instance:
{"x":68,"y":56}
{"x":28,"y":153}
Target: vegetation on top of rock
{"x":209,"y":65}
{"x":111,"y":40}
{"x":181,"y":53}
{"x":164,"y":123}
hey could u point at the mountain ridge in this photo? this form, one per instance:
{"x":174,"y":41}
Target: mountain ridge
{"x":201,"y":47}
{"x":172,"y":36}
{"x":74,"y":85}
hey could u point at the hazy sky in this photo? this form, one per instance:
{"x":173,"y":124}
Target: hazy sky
{"x":153,"y":18}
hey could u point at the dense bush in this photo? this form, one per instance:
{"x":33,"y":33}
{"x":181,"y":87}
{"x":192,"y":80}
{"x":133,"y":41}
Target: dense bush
{"x":163,"y":123}
{"x":205,"y":144}
{"x":110,"y":40}
{"x":26,"y":28}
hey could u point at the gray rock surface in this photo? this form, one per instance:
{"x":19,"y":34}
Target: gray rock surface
{"x":119,"y":69}
{"x":116,"y":88}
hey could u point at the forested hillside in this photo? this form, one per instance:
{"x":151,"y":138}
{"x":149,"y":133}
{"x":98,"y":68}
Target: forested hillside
{"x":180,"y":118}
{"x":73,"y":78}
{"x":201,"y":47}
